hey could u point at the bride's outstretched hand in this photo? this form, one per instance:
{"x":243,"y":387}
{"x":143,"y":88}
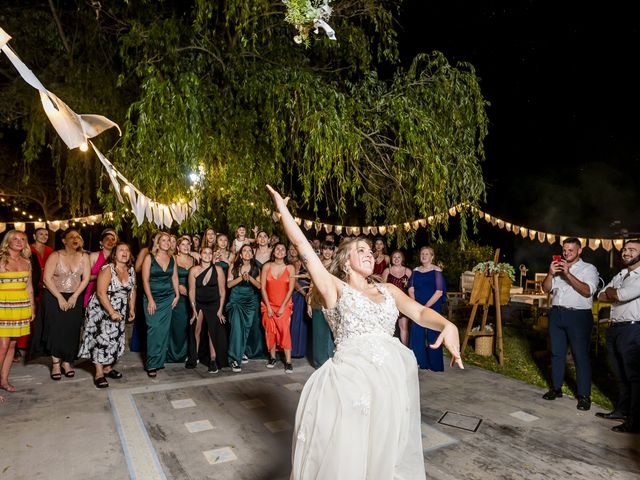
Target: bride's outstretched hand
{"x":449,"y":336}
{"x":277,"y":198}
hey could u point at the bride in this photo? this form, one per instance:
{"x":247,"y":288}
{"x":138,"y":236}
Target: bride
{"x":359,"y":414}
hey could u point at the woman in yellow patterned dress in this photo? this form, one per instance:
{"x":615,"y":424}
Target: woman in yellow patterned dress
{"x":16,"y":299}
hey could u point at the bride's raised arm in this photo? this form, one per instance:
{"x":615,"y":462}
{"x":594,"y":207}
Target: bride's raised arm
{"x":325,"y":283}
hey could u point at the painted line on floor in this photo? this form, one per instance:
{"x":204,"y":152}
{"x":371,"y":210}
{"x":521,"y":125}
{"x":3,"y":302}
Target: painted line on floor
{"x":123,"y":442}
{"x":140,"y":455}
{"x":235,"y":377}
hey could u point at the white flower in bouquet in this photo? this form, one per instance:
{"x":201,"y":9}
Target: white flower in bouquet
{"x":306,"y":15}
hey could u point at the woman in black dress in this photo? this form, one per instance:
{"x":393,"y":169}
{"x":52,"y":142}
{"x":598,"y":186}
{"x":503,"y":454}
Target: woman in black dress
{"x":66,"y":275}
{"x":207,"y":294}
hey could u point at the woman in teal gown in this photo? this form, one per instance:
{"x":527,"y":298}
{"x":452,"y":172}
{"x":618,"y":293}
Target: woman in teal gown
{"x":178,"y":335}
{"x":322,"y":344}
{"x":256,"y":345}
{"x":222,"y":255}
{"x":243,"y":309}
{"x":160,"y":282}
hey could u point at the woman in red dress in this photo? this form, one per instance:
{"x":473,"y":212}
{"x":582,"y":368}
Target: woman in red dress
{"x":278,"y":280}
{"x":399,"y":275}
{"x":40,"y":251}
{"x":380,"y":256}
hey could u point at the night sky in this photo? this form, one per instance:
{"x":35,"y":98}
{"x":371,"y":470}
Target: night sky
{"x":563,"y":148}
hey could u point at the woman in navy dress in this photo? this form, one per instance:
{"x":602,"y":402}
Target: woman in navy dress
{"x":427,"y":287}
{"x":299,"y":319}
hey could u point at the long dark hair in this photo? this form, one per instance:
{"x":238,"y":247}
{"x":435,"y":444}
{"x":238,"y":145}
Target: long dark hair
{"x":273,"y":253}
{"x":254,"y":271}
{"x":112,"y":256}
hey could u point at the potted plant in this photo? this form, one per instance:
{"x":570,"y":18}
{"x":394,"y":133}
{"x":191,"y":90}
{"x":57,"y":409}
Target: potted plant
{"x":482,"y":285}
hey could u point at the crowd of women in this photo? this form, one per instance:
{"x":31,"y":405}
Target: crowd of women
{"x":199,"y":300}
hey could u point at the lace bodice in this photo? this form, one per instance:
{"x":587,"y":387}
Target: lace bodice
{"x":354,"y":315}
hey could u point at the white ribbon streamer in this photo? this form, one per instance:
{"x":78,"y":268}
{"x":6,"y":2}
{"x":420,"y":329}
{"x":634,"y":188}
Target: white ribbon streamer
{"x":319,"y":23}
{"x":111,"y":171}
{"x":74,"y":129}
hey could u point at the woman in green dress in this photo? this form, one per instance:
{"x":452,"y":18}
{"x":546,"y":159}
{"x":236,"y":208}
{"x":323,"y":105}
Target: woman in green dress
{"x":160,"y":283}
{"x":243,"y":308}
{"x":177,"y":348}
{"x":322,"y":344}
{"x":262,"y":252}
{"x":222,"y":256}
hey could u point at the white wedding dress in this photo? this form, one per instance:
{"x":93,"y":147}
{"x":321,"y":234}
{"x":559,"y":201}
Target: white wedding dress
{"x":359,"y":414}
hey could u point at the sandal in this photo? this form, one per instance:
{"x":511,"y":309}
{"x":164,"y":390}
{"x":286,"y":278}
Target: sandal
{"x":69,"y":374}
{"x":152,"y":372}
{"x":113,"y":373}
{"x":100,"y":382}
{"x":8,"y":387}
{"x":55,"y":376}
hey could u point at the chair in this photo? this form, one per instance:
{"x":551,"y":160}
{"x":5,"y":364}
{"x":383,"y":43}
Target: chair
{"x":456,"y":302}
{"x":529,"y":287}
{"x":534,"y":287}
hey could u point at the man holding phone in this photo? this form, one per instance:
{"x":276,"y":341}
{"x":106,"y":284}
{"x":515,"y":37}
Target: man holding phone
{"x":573,"y":283}
{"x":623,"y":339}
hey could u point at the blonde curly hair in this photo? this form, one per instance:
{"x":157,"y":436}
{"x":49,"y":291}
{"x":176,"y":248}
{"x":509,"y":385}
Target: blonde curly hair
{"x":338,"y":267}
{"x":4,"y":246}
{"x":156,"y":243}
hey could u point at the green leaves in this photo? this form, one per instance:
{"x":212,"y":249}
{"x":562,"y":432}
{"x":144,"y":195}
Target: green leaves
{"x":222,"y":85}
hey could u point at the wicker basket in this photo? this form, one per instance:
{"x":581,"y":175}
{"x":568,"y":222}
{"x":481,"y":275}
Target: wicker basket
{"x":543,"y":322}
{"x":484,"y":345}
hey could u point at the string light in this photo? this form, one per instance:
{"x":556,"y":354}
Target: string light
{"x":522,"y":231}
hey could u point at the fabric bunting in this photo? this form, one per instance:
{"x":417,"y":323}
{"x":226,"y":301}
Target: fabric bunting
{"x":75,"y":131}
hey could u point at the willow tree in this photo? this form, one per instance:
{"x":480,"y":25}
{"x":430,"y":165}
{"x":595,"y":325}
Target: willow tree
{"x":224,"y":86}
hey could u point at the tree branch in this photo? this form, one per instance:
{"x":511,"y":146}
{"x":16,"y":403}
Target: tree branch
{"x":65,"y":43}
{"x":205,"y":50}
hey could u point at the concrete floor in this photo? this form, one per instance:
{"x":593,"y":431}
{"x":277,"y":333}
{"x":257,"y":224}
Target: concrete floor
{"x":188,"y":424}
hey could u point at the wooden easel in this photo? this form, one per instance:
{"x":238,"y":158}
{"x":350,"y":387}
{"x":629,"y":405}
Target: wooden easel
{"x":485,"y":301}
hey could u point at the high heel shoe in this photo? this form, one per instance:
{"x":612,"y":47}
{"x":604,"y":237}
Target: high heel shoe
{"x":55,"y":376}
{"x":100,"y":382}
{"x":113,"y":374}
{"x":68,"y":373}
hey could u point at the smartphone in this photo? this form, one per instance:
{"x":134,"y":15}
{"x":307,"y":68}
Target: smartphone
{"x":557,"y":258}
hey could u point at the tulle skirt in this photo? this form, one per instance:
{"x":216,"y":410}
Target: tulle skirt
{"x":359,"y":415}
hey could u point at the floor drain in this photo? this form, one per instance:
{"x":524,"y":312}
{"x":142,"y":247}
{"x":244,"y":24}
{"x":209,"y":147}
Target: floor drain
{"x":458,"y":420}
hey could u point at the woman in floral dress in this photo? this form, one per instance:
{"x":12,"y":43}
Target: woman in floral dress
{"x":108,"y":308}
